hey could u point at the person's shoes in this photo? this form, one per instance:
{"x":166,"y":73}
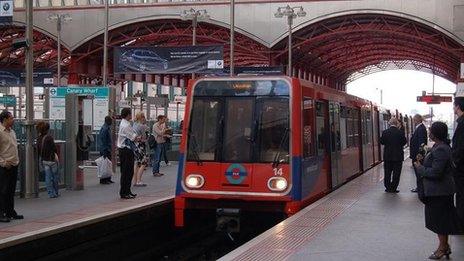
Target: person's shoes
{"x":4,"y":219}
{"x":133,"y":194}
{"x":127,"y":197}
{"x":158,"y":174}
{"x":168,"y":164}
{"x":438,"y":254}
{"x":140,"y":184}
{"x":16,"y":216}
{"x":53,"y":196}
{"x":395,"y":191}
{"x":110,"y":181}
{"x":414,"y":190}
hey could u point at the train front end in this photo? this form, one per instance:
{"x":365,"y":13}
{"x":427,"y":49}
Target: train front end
{"x":236,"y":147}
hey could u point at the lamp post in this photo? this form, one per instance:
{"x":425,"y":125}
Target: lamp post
{"x":195,"y":16}
{"x":291,"y":13}
{"x":232,"y":35}
{"x":59,"y":19}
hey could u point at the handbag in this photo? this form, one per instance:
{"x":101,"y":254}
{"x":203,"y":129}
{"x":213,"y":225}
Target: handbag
{"x":152,"y":141}
{"x":41,"y":166}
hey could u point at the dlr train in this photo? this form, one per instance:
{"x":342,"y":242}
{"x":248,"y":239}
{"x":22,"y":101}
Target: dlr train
{"x":261,"y":143}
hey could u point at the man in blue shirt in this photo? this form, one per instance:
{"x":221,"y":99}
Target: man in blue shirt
{"x":104,"y":140}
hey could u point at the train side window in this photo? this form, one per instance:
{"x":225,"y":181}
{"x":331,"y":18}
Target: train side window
{"x":349,"y":127}
{"x":368,"y":127}
{"x":322,"y":134}
{"x":355,"y":127}
{"x":343,"y":128}
{"x":308,"y":125}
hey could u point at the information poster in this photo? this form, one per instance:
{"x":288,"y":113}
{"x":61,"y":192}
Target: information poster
{"x":98,"y":107}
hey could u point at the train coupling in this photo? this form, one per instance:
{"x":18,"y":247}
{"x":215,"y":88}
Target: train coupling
{"x":228,"y":220}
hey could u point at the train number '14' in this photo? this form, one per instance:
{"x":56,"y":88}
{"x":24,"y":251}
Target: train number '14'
{"x":278,"y":172}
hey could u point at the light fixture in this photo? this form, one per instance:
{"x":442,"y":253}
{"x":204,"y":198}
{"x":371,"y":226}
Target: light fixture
{"x":195,"y":181}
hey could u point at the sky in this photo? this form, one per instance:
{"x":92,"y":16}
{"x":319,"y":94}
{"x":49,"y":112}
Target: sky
{"x":400,"y":90}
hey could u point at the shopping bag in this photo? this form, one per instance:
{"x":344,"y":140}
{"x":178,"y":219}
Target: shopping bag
{"x":104,"y":167}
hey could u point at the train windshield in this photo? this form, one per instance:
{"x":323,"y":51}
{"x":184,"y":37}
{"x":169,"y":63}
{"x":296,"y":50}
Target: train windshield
{"x":240,"y":121}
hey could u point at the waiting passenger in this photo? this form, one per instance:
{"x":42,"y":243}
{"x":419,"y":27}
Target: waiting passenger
{"x":440,"y":214}
{"x":393,"y":155}
{"x":9,"y":161}
{"x":141,"y":160}
{"x":419,"y":137}
{"x":46,"y":148}
{"x":161,"y":133}
{"x":104,"y":139}
{"x":126,"y":145}
{"x":458,"y":155}
{"x":168,"y":143}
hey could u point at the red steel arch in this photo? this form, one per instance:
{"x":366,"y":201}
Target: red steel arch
{"x":347,"y":47}
{"x":45,"y":49}
{"x":170,"y":32}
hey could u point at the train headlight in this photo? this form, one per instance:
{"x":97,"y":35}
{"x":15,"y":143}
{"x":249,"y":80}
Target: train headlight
{"x":277,"y":184}
{"x":194,"y":181}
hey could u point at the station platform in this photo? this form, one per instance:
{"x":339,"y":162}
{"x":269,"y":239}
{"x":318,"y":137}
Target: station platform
{"x":358,"y":221}
{"x":46,"y":216}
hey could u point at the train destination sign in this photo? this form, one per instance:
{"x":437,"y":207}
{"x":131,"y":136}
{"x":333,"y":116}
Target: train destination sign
{"x":434,"y":99}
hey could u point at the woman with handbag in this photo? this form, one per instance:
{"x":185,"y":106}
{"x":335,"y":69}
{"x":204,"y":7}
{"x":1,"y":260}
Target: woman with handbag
{"x":48,"y":159}
{"x":141,"y":158}
{"x":435,"y":173}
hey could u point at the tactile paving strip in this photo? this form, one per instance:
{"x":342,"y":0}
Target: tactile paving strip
{"x":265,"y":254}
{"x":294,"y":235}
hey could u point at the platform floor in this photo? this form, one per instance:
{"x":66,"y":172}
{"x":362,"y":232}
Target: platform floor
{"x":44,"y":215}
{"x":359,"y":221}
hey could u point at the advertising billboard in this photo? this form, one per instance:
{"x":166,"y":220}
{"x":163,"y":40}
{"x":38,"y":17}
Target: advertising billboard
{"x":168,"y":60}
{"x":15,"y":78}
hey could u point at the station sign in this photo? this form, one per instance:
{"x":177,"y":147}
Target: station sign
{"x":434,"y":99}
{"x":8,"y":100}
{"x":168,"y":60}
{"x":180,"y":99}
{"x":124,"y":104}
{"x":460,"y":89}
{"x":158,"y":101}
{"x":255,"y":70}
{"x":97,"y":107}
{"x":93,"y":91}
{"x":6,"y":11}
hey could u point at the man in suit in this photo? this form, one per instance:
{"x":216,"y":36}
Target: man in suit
{"x":457,"y":155}
{"x":393,"y":140}
{"x":418,"y":138}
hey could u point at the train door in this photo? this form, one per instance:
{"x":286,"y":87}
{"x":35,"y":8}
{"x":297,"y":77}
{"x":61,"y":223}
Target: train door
{"x":376,"y":136}
{"x":322,"y":138}
{"x":335,"y":148}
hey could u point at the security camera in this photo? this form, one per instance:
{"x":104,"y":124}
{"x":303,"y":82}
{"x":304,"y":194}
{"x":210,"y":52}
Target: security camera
{"x":20,"y":43}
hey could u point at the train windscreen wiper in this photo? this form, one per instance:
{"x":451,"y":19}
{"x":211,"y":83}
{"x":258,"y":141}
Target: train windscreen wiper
{"x":276,"y":161}
{"x":194,"y":148}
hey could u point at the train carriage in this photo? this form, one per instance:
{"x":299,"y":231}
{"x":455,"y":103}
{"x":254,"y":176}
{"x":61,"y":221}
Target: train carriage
{"x":270,"y":144}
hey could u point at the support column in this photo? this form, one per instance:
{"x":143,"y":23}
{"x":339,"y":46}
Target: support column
{"x":30,"y":177}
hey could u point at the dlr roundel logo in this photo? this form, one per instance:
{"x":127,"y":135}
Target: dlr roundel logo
{"x":236,"y":174}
